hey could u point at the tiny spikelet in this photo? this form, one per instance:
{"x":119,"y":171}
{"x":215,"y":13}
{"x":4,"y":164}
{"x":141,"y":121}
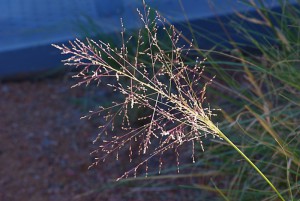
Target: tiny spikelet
{"x":158,"y":82}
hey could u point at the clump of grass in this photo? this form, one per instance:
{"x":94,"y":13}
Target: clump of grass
{"x":157,"y":78}
{"x":261,"y":108}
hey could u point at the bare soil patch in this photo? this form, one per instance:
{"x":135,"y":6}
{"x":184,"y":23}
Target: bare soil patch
{"x":45,"y":147}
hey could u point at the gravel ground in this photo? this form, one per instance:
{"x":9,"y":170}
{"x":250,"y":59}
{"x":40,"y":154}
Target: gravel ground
{"x":44,"y":149}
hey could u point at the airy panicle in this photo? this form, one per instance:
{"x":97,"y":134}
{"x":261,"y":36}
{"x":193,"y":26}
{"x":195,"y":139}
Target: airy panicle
{"x":157,"y":81}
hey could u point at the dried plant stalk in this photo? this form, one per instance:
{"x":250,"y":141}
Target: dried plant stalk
{"x":156,"y":78}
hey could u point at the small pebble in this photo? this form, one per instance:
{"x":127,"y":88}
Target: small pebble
{"x":5,"y":89}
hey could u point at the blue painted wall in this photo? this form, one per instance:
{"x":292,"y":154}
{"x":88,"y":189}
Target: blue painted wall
{"x":29,"y":27}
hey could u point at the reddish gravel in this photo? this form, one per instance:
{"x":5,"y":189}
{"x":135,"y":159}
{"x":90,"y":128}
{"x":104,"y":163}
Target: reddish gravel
{"x":44,"y":148}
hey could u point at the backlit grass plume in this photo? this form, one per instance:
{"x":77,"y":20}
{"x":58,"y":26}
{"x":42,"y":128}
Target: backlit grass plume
{"x":155,"y":79}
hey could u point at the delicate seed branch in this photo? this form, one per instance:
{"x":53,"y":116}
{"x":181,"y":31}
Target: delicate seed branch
{"x":156,"y":81}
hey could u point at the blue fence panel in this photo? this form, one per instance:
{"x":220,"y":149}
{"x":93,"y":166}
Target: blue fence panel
{"x":29,"y":27}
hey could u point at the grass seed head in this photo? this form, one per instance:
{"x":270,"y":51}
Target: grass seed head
{"x":157,"y":79}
